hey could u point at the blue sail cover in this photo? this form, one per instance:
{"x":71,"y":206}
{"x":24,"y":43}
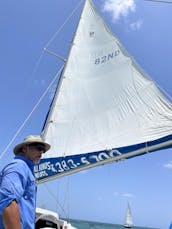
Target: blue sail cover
{"x":106,"y":109}
{"x":51,"y":168}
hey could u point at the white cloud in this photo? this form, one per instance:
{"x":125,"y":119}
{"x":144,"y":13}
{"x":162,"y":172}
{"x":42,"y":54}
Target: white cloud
{"x":128,"y":195}
{"x":99,"y":198}
{"x":136,"y":25}
{"x":119,"y":8}
{"x":168,"y":165}
{"x":116,"y":194}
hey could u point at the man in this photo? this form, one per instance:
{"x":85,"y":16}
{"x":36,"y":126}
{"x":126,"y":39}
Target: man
{"x":17,"y":185}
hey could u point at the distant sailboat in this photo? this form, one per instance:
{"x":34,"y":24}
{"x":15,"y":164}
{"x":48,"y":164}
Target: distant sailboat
{"x":128,"y":220}
{"x":105,"y":108}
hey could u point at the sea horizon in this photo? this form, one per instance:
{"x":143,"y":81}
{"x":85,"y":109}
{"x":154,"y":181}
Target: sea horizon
{"x":86,"y":224}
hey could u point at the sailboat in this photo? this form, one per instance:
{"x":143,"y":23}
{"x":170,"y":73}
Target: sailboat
{"x":105,"y":109}
{"x":128,"y":220}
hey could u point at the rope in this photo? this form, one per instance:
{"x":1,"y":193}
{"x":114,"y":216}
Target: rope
{"x":28,"y":117}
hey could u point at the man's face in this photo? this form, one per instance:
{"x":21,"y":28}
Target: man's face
{"x":34,"y":152}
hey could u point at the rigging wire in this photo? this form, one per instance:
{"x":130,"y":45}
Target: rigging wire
{"x":160,"y":1}
{"x":65,"y":214}
{"x":34,"y":108}
{"x":67,"y":197}
{"x":37,"y":64}
{"x":61,"y":27}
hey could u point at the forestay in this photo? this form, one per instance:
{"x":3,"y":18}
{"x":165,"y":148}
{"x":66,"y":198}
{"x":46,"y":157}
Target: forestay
{"x":105,"y":109}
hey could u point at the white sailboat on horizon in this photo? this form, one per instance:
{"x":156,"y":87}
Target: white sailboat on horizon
{"x":128,"y":219}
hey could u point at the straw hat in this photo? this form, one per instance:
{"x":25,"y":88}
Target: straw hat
{"x":31,"y":139}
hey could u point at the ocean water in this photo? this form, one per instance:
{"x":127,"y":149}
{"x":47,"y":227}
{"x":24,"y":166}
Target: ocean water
{"x":80,"y":224}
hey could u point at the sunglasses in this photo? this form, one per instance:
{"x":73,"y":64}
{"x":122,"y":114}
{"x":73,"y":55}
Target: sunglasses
{"x":39,"y":147}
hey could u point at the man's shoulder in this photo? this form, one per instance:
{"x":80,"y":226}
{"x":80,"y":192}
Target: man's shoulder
{"x":16,"y":165}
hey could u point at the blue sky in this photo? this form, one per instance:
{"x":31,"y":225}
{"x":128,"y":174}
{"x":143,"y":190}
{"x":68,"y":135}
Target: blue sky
{"x":100,"y":194}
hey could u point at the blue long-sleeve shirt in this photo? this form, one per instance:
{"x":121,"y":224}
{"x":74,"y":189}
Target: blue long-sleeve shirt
{"x":17,"y":182}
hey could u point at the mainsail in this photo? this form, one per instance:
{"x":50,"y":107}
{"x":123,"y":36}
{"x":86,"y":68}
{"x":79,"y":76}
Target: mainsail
{"x":128,"y":219}
{"x":105,"y":109}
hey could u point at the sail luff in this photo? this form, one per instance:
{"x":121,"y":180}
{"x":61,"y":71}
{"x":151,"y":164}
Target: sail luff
{"x":48,"y":119}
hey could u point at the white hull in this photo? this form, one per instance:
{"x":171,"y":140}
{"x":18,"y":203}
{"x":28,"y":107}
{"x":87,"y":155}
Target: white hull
{"x":49,"y":219}
{"x":127,"y":226}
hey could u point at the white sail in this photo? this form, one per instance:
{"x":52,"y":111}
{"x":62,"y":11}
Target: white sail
{"x":128,"y":220}
{"x":106,"y":108}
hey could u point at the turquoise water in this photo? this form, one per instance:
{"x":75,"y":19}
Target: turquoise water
{"x":96,"y":225}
